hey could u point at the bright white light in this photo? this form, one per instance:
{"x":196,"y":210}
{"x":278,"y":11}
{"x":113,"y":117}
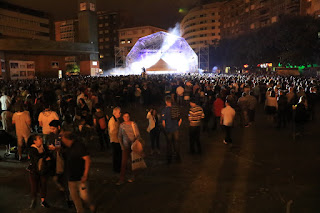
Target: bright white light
{"x":94,"y":63}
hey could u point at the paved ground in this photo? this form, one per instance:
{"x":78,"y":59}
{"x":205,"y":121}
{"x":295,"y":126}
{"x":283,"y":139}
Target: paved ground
{"x":266,"y":171}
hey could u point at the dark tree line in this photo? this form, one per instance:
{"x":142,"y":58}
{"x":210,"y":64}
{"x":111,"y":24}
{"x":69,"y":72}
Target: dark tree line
{"x":291,"y":41}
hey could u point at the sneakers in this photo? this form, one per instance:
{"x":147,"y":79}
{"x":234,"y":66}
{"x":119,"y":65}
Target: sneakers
{"x":130,"y":180}
{"x":120,"y":182}
{"x":33,"y":204}
{"x":45,"y":204}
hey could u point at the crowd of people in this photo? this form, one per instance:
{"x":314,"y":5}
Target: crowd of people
{"x":53,"y":119}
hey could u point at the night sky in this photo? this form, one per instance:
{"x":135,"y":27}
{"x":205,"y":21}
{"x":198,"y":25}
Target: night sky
{"x":158,"y":13}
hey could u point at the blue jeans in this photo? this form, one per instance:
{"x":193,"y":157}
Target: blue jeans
{"x":173,"y":145}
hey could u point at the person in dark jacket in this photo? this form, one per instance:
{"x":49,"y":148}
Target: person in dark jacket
{"x":282,"y":109}
{"x":300,"y":116}
{"x":39,"y":157}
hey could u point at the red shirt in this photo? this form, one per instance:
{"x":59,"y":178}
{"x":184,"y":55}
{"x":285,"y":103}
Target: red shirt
{"x":218,"y":105}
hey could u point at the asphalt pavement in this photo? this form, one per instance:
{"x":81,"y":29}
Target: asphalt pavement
{"x":266,"y":170}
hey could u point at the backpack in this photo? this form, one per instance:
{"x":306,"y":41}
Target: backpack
{"x":102,"y":123}
{"x":175,"y":112}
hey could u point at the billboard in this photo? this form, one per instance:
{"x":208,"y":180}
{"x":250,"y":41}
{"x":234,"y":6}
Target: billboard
{"x":22,"y":69}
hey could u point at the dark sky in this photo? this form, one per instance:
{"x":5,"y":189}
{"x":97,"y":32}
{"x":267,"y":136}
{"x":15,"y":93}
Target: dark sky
{"x":158,"y":13}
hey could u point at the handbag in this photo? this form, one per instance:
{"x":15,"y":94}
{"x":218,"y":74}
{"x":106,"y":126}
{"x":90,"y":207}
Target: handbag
{"x":136,"y":146}
{"x":137,"y":161}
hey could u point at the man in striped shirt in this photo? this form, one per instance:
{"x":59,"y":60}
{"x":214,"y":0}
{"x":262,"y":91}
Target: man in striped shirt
{"x":195,"y":116}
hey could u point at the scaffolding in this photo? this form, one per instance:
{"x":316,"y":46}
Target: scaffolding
{"x":203,"y":57}
{"x":120,"y":57}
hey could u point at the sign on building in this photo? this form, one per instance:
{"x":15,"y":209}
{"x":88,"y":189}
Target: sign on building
{"x":22,"y":69}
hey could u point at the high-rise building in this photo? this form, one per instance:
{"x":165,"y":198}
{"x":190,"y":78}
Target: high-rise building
{"x":88,"y":33}
{"x":242,"y":16}
{"x":201,"y":25}
{"x":66,"y":30}
{"x":109,"y":22}
{"x":21,"y":22}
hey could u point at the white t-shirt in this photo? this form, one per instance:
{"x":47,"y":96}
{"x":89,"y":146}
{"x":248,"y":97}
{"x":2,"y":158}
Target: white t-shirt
{"x":228,"y":115}
{"x":5,"y":102}
{"x":46,"y":117}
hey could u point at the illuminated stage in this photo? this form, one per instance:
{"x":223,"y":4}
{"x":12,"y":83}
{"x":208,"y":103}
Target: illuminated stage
{"x":161,"y":53}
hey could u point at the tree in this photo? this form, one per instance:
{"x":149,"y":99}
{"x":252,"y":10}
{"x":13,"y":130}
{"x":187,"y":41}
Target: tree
{"x":73,"y":68}
{"x":291,"y":41}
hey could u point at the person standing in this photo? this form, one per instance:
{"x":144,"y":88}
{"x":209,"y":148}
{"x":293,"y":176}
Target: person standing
{"x":100,"y":122}
{"x":226,"y":119}
{"x":128,"y":133}
{"x":113,"y":130}
{"x":252,"y":101}
{"x":171,"y":122}
{"x":195,"y":116}
{"x":22,"y":121}
{"x":282,"y":109}
{"x":54,"y":145}
{"x":218,"y":105}
{"x":243,"y":103}
{"x":78,"y":163}
{"x":45,"y":117}
{"x":38,"y":155}
{"x":5,"y":101}
{"x":154,"y":130}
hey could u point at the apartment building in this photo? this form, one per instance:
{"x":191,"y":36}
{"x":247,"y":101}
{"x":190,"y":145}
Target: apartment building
{"x":201,"y":25}
{"x":66,"y":30}
{"x":21,"y":22}
{"x":241,"y":16}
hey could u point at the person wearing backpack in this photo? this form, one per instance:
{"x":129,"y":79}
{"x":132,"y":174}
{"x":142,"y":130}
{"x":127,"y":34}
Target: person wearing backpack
{"x":171,"y":122}
{"x":100,"y":120}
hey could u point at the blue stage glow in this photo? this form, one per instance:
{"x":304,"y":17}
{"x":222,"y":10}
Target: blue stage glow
{"x":162,"y":52}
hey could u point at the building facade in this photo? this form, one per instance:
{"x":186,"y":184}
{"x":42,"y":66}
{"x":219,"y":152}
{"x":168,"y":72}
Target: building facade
{"x":67,"y":30}
{"x":201,"y":26}
{"x":242,"y":16}
{"x":20,"y":22}
{"x":109,"y":22}
{"x":27,"y":57}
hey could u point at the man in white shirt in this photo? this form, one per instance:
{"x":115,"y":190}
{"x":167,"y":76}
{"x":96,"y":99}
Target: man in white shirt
{"x":45,"y":117}
{"x":22,"y":121}
{"x":5,"y":101}
{"x":226,"y":119}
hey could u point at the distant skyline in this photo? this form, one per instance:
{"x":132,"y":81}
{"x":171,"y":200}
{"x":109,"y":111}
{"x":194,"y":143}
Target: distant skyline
{"x":158,"y":13}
